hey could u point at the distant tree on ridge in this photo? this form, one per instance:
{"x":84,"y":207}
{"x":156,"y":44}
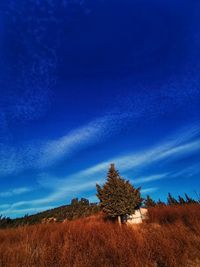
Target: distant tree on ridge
{"x":171,"y":200}
{"x":149,"y":202}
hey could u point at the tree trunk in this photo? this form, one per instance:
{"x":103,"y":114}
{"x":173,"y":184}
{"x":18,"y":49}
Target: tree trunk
{"x":119,"y":220}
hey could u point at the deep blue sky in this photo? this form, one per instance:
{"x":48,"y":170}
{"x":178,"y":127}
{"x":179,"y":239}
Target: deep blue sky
{"x":86,"y":83}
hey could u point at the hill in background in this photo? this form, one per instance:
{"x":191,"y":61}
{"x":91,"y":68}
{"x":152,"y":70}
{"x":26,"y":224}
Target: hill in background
{"x":77,"y":209}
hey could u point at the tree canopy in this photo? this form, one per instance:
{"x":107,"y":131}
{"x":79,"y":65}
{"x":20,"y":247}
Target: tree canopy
{"x":171,"y":200}
{"x":117,"y":196}
{"x":149,"y":202}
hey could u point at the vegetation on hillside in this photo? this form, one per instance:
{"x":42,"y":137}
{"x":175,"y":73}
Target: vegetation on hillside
{"x":170,"y":238}
{"x":77,"y":209}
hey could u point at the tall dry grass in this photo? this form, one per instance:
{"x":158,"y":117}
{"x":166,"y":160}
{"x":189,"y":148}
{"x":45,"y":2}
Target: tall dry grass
{"x":161,"y":242}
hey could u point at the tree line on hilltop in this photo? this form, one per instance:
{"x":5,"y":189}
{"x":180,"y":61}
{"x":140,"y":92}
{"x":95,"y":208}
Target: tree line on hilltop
{"x":149,"y":202}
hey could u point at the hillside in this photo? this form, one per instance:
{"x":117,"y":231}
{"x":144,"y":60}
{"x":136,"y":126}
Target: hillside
{"x":77,"y":209}
{"x":170,"y":238}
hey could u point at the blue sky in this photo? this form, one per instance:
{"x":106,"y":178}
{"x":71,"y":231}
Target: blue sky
{"x":87,"y":83}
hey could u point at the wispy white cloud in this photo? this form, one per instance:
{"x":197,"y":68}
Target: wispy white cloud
{"x":190,"y":171}
{"x":16,"y":191}
{"x":150,"y":178}
{"x":65,"y":146}
{"x":62,"y":189}
{"x":181,"y":149}
{"x":149,"y":190}
{"x":39,"y":155}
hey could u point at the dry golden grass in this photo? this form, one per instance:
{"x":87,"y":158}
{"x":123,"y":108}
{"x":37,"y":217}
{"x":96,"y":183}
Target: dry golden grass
{"x":161,"y":242}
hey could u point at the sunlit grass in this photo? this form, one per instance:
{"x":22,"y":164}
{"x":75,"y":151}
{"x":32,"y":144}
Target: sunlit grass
{"x":170,"y":238}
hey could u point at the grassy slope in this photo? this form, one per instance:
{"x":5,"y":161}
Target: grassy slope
{"x":169,"y":239}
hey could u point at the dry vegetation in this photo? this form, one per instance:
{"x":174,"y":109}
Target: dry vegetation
{"x":170,"y":238}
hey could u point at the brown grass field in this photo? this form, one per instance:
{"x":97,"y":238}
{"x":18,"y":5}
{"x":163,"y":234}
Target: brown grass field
{"x":170,"y":238}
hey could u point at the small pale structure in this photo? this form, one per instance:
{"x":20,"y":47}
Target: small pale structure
{"x":138,"y":217}
{"x":49,"y":220}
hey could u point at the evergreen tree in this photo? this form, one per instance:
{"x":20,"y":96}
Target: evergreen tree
{"x":198,"y":197}
{"x":189,"y":200}
{"x":181,"y":200}
{"x":149,"y":202}
{"x":160,"y":203}
{"x":171,"y":200}
{"x":84,"y":201}
{"x":118,"y":197}
{"x":74,"y":202}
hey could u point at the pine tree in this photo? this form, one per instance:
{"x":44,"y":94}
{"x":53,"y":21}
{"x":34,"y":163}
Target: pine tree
{"x":189,"y":200}
{"x":74,"y":202}
{"x":198,"y":197}
{"x":84,"y":202}
{"x":181,"y":200}
{"x":160,"y":203}
{"x":171,"y":200}
{"x":118,"y":197}
{"x":149,"y":202}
